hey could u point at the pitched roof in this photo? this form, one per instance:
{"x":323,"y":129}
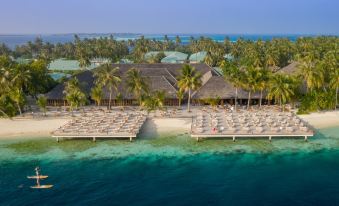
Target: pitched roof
{"x":216,"y":86}
{"x":175,"y":57}
{"x":57,"y":75}
{"x":155,"y":83}
{"x":198,"y":57}
{"x":292,"y":68}
{"x":158,"y":76}
{"x":65,"y":64}
{"x":86,"y":80}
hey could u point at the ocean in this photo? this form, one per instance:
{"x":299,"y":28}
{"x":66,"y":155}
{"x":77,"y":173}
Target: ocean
{"x":14,"y":40}
{"x":173,"y":169}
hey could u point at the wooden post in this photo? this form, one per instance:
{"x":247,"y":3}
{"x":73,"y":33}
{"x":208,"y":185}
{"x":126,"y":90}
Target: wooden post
{"x":197,"y":139}
{"x":57,"y":139}
{"x":130,"y":139}
{"x":94,"y":139}
{"x":270,"y":138}
{"x":305,"y":138}
{"x":233,"y":138}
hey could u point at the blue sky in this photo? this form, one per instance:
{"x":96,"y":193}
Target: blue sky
{"x":170,"y":16}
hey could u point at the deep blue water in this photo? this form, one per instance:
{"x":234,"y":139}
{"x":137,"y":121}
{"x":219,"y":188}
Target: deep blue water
{"x":14,"y":40}
{"x":173,"y":170}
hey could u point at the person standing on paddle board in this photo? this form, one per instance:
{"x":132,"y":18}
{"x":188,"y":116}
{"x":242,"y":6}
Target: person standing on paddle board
{"x":37,"y":169}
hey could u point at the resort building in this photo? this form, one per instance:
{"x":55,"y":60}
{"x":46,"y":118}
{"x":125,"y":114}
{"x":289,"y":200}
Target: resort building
{"x":175,"y":57}
{"x":172,"y":57}
{"x":71,"y":65}
{"x":198,"y":57}
{"x":159,"y":77}
{"x":66,"y":65}
{"x":292,"y":68}
{"x":58,"y":75}
{"x":125,"y":61}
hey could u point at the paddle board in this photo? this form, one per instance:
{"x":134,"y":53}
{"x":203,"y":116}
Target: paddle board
{"x":41,"y":187}
{"x":36,"y":177}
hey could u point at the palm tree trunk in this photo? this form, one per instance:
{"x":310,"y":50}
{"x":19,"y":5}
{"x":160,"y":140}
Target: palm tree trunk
{"x":336,"y":98}
{"x":110,"y":99}
{"x":236,"y":99}
{"x":19,"y":108}
{"x":4,"y":113}
{"x":280,"y":103}
{"x":260,"y":98}
{"x":249,"y":100}
{"x":189,"y":100}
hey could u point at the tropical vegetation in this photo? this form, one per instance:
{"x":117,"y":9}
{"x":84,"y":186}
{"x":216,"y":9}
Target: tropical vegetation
{"x":248,"y":65}
{"x":189,"y":80}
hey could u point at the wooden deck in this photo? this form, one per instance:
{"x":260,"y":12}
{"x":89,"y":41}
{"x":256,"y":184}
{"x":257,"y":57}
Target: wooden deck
{"x":249,"y":125}
{"x":107,"y":125}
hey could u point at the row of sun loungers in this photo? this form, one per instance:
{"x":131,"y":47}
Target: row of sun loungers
{"x":117,"y":124}
{"x":248,"y":123}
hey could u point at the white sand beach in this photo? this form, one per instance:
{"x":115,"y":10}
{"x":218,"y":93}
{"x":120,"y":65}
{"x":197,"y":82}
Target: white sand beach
{"x":29,"y":127}
{"x":153,"y":127}
{"x":322,"y":119}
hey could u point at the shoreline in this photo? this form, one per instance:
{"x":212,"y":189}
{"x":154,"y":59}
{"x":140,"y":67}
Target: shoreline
{"x":322,"y":120}
{"x":41,"y":127}
{"x":29,"y":128}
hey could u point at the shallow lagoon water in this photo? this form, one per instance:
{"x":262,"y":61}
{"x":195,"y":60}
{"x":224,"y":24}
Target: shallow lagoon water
{"x":173,"y":170}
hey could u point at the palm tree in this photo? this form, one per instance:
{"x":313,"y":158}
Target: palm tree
{"x":262,"y":83}
{"x":17,"y":96}
{"x":136,"y":84}
{"x":334,"y":84}
{"x":189,"y":80}
{"x":312,"y":74}
{"x":21,"y":76}
{"x":42,"y":103}
{"x":108,"y":76}
{"x":75,"y":99}
{"x":119,"y":99}
{"x":159,"y":99}
{"x":154,"y":101}
{"x":84,"y":62}
{"x":209,"y":59}
{"x":251,"y":77}
{"x":214,"y":101}
{"x":72,"y":85}
{"x":282,"y":88}
{"x":234,"y":75}
{"x":97,"y":94}
{"x":5,"y":75}
{"x":180,"y":95}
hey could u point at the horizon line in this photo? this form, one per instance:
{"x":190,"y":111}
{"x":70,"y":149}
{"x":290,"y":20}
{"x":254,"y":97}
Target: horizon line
{"x":146,"y":33}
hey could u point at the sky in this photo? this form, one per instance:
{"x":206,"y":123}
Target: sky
{"x":170,"y":16}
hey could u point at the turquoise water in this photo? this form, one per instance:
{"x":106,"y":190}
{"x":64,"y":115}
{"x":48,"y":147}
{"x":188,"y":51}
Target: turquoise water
{"x":14,"y":40}
{"x":173,"y":170}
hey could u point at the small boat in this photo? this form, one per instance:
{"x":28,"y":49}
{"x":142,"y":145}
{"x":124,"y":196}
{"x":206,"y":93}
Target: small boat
{"x":36,"y":177}
{"x":39,"y":177}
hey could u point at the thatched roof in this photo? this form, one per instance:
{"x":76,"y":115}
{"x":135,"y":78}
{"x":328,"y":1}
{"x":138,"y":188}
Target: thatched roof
{"x":160,"y":77}
{"x":86,"y":80}
{"x":216,"y":86}
{"x":155,"y":83}
{"x":292,"y":68}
